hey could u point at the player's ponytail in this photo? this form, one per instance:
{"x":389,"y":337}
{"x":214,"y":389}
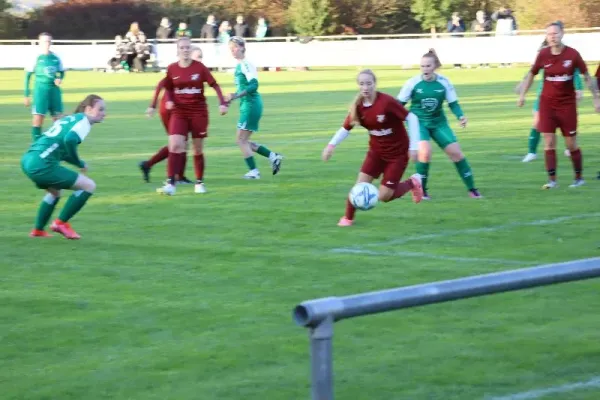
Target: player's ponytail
{"x":433,"y":55}
{"x":89,"y":101}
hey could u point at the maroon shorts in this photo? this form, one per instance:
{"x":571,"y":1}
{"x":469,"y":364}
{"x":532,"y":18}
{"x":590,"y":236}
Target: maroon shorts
{"x":181,"y":124}
{"x":563,"y":117}
{"x":392,"y":170}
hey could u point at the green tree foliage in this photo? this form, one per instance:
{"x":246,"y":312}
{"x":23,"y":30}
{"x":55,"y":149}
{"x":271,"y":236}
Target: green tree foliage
{"x":311,"y":17}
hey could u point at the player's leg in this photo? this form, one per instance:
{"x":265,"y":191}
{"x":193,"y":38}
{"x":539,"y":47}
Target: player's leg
{"x":424,"y":158}
{"x":547,"y":125}
{"x":534,"y":135}
{"x":45,"y":210}
{"x":83,"y":188}
{"x":253,"y":121}
{"x":179,"y":126}
{"x":371,"y":168}
{"x":445,"y":138}
{"x":568,"y":126}
{"x":243,"y":141}
{"x":199,"y":133}
{"x":55,"y":103}
{"x":162,"y":153}
{"x":392,"y":188}
{"x":39,"y":109}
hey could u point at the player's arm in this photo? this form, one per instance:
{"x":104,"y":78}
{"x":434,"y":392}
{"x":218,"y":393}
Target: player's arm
{"x":61,"y":73}
{"x":598,"y":77}
{"x":160,"y":86}
{"x":412,"y":121}
{"x":338,"y":138}
{"x":591,"y":83}
{"x":168,"y":84}
{"x":72,"y":140}
{"x":28,"y":75}
{"x":252,"y":77}
{"x":528,"y":80}
{"x":212,"y":82}
{"x":406,"y":92}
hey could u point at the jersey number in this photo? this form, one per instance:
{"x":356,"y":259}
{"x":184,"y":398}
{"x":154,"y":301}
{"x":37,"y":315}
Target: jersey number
{"x":58,"y":125}
{"x":49,"y":151}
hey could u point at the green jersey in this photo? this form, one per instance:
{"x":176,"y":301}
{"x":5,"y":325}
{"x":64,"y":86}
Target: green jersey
{"x":427,"y":98}
{"x":59,"y":143}
{"x":246,"y":79}
{"x":46,"y":68}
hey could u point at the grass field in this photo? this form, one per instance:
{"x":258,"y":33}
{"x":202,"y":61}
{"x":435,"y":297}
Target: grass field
{"x":190,"y":297}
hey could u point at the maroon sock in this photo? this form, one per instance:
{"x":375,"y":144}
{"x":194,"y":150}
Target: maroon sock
{"x":550,"y":157}
{"x":350,"y":210}
{"x":199,"y":166}
{"x":172,"y":167}
{"x":577,"y":160}
{"x":160,"y":155}
{"x":403,"y":188}
{"x":183,"y":164}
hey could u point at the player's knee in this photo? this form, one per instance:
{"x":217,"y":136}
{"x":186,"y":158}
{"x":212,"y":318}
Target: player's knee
{"x":89,"y":186}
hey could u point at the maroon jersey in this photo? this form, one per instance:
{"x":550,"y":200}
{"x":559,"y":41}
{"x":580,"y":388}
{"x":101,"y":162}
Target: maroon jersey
{"x":559,"y":70}
{"x":185,"y":87}
{"x":384,"y":119}
{"x":159,"y":87}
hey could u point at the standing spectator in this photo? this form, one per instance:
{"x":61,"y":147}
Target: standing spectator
{"x":506,"y":25}
{"x":262,"y":29}
{"x":183,"y":30}
{"x":241,"y":27}
{"x":224,"y":32}
{"x":482,"y":25}
{"x":164,"y":30}
{"x":209,"y":30}
{"x":456,"y":27}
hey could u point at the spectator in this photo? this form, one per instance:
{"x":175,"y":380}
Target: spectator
{"x":209,"y":30}
{"x":143,"y":51}
{"x":224,"y":32}
{"x":262,"y":29}
{"x":183,"y":30}
{"x":456,"y":27}
{"x":241,"y":27}
{"x":482,"y":24}
{"x":164,"y":30}
{"x":506,"y":25}
{"x":118,"y":61}
{"x":134,"y":32}
{"x":222,"y":47}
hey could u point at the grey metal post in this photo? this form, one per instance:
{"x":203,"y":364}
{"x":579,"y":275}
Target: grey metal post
{"x":321,"y":357}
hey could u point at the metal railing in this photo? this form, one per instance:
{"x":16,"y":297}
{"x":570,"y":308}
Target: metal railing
{"x":320,"y":315}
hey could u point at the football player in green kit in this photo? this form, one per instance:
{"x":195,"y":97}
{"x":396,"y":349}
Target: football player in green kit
{"x":49,"y":74}
{"x":427,"y":93}
{"x":41,"y":164}
{"x":251,"y":107}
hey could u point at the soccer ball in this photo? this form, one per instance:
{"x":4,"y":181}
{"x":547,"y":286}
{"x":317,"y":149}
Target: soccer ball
{"x":364,"y":196}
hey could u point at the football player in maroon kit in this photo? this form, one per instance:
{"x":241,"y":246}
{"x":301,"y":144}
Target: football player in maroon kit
{"x":389,"y":144}
{"x":558,"y":103}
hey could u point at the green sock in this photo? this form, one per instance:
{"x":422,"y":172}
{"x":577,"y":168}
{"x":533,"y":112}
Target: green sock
{"x":464,"y":170}
{"x":534,"y":140}
{"x":36,"y":132}
{"x":423,"y":170}
{"x":250,"y":162}
{"x":47,"y":206}
{"x":74,"y":204}
{"x":263,"y":151}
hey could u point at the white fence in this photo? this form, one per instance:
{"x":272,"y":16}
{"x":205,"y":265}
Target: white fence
{"x":370,"y":51}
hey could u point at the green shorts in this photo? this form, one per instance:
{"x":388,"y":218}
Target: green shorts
{"x":47,"y":176}
{"x":440,"y":133}
{"x":536,"y":104}
{"x":250,"y":114}
{"x":47,"y":99}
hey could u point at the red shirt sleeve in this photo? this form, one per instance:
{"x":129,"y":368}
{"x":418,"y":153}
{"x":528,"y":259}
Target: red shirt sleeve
{"x":348,"y":125}
{"x":580,"y":64}
{"x":159,"y":87}
{"x":212,"y":82}
{"x":168,"y":83}
{"x":395,"y":108}
{"x":537,"y":64}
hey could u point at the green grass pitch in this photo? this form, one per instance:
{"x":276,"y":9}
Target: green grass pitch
{"x":190,"y":297}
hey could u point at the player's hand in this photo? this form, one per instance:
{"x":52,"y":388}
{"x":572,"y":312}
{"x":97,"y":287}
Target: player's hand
{"x":84,"y":170}
{"x":150,"y":111}
{"x":327,"y":152}
{"x":27,"y":101}
{"x":579,"y":95}
{"x":169,"y":105}
{"x":229,"y":97}
{"x":463,"y":121}
{"x":223,"y":109}
{"x":521,"y":102}
{"x":57,"y":81}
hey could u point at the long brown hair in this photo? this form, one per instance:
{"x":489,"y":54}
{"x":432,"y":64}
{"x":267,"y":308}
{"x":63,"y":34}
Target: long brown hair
{"x":89,"y":101}
{"x":433,"y":55}
{"x":359,"y":98}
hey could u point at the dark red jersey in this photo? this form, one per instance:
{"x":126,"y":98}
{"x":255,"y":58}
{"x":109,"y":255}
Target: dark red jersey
{"x":185,"y":87}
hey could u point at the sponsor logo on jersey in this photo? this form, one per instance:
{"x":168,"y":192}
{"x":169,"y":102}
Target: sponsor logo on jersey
{"x":419,"y":91}
{"x":195,"y":77}
{"x":380,"y":118}
{"x":567,"y":63}
{"x":560,"y":78}
{"x":188,"y":90}
{"x":429,"y":104}
{"x":382,"y":132}
{"x":50,"y":71}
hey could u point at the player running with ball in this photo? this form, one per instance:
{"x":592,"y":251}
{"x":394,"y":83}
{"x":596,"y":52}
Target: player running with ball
{"x":41,"y":164}
{"x":49,"y":74}
{"x":558,"y":104}
{"x":251,"y":108}
{"x":427,"y":93}
{"x":389,"y":143}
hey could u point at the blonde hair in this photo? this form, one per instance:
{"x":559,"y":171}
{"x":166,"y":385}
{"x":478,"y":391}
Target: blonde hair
{"x":134,"y":28}
{"x":198,"y":49}
{"x":433,"y":55}
{"x":354,"y":118}
{"x":239,"y":41}
{"x":89,"y":101}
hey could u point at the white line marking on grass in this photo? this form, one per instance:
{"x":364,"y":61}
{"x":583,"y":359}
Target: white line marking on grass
{"x":539,"y":393}
{"x":429,"y":255}
{"x":495,"y":228}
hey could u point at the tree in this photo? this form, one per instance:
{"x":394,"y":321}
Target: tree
{"x":435,"y":12}
{"x":540,"y":13}
{"x":311,"y":17}
{"x":376,"y":16}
